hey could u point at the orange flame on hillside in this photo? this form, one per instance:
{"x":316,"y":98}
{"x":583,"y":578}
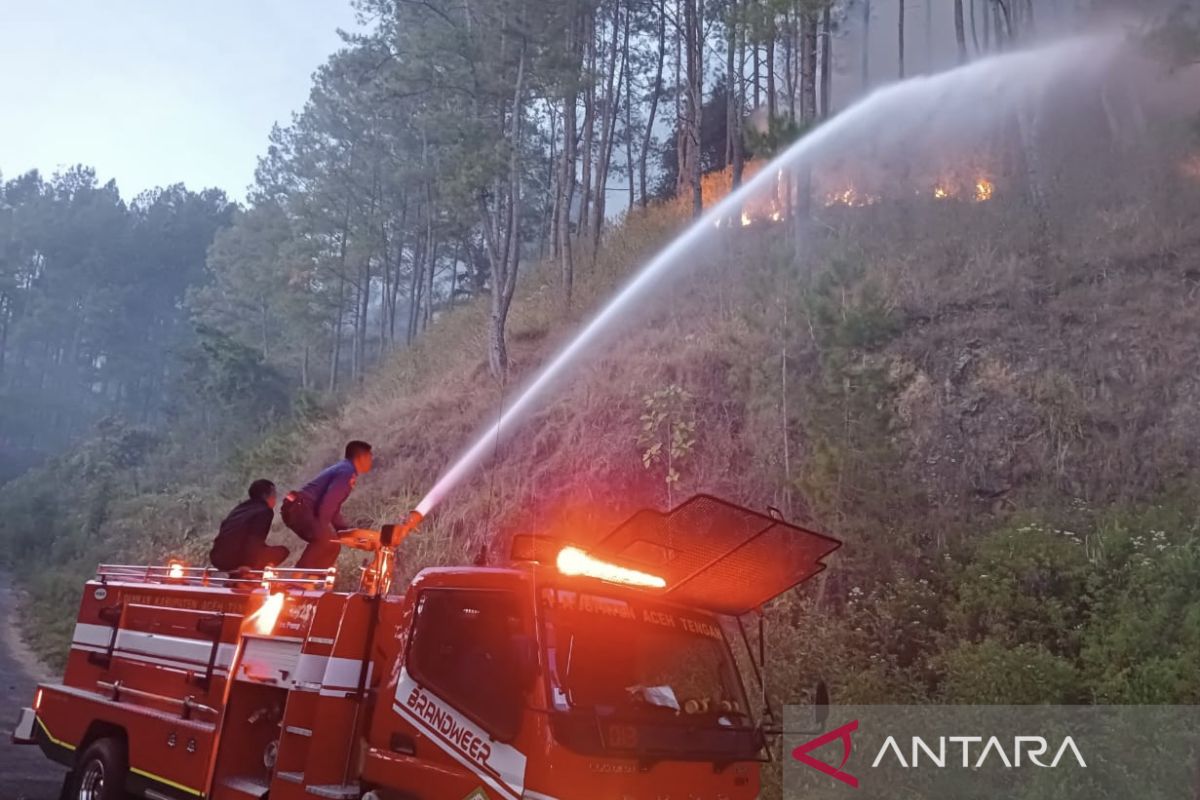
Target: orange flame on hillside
{"x":850,"y":197}
{"x":852,"y":186}
{"x":981,"y":189}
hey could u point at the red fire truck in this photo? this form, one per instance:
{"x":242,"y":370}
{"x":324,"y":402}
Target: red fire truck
{"x":612,"y":670}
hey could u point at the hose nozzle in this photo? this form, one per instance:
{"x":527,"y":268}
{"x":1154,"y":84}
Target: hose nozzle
{"x":392,"y":535}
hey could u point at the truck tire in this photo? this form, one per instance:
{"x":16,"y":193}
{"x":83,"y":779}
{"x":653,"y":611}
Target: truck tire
{"x":100,"y":772}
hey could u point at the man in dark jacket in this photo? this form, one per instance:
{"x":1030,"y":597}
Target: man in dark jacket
{"x":314,"y":513}
{"x":242,"y":541}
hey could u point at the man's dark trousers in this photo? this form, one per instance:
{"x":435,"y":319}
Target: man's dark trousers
{"x":301,"y":518}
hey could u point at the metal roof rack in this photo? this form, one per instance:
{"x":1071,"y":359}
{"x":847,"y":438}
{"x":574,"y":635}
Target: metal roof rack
{"x":175,"y":573}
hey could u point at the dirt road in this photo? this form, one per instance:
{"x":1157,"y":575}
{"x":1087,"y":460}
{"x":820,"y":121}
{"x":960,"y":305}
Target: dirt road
{"x":25,"y":774}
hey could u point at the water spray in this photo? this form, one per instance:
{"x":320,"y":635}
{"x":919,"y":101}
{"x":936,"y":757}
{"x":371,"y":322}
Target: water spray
{"x":1005,"y":80}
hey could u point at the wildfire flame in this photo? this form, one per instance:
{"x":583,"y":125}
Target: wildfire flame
{"x":984,"y":189}
{"x":746,"y":219}
{"x":267,"y":615}
{"x":851,"y":198}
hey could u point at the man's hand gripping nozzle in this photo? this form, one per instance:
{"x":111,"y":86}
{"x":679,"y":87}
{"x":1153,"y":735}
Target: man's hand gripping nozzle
{"x":394,"y":534}
{"x":377,"y":577}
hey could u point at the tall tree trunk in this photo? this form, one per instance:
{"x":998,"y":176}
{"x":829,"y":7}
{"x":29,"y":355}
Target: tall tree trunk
{"x":866,"y":45}
{"x":733,"y":103}
{"x":385,"y":290}
{"x":772,"y":95}
{"x":415,"y":282}
{"x":430,"y":274}
{"x":608,"y":124}
{"x":566,"y":180}
{"x":504,"y":246}
{"x":987,"y":25}
{"x":1004,"y":20}
{"x":974,"y":28}
{"x":589,"y":124}
{"x":681,"y":99}
{"x":553,"y":171}
{"x":740,"y":151}
{"x":900,"y":28}
{"x":694,"y":34}
{"x":458,"y":252}
{"x":393,"y":290}
{"x":808,"y":66}
{"x":5,"y":316}
{"x":791,"y":68}
{"x":629,"y":124}
{"x":929,"y":65}
{"x":337,"y":332}
{"x":960,"y":31}
{"x":335,"y":355}
{"x":757,"y":78}
{"x":394,"y":298}
{"x":356,"y":324}
{"x":826,"y":60}
{"x":654,"y":98}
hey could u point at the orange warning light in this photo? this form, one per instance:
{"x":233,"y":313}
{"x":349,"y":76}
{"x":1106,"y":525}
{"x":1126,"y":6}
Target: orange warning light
{"x":573,"y":561}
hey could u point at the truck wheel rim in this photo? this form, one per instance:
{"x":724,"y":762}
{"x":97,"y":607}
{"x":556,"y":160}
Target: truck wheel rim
{"x":91,"y":783}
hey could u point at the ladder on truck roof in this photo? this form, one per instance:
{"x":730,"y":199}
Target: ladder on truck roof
{"x":376,"y":577}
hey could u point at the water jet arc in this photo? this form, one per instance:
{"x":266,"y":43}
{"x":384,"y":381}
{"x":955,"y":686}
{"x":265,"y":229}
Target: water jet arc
{"x":1008,"y":78}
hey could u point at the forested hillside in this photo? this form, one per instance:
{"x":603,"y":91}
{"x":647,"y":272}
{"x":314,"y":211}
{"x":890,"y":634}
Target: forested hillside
{"x":985,"y":385}
{"x":91,"y":306}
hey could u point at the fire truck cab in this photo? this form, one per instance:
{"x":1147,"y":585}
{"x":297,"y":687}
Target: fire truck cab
{"x":614,"y":671}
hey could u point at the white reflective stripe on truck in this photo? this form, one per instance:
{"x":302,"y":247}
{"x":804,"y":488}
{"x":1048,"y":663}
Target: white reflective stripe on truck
{"x":153,"y":648}
{"x":500,"y":766}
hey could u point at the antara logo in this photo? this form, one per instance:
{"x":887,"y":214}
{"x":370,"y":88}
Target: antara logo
{"x":843,"y":734}
{"x":1029,"y":747}
{"x":971,"y":752}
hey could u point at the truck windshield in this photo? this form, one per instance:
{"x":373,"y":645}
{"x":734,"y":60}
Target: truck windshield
{"x":641,"y":662}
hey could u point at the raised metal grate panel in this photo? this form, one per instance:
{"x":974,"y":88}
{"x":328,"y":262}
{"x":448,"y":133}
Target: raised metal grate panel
{"x":717,"y":555}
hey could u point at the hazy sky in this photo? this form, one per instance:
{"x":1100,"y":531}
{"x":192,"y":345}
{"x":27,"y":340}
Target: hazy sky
{"x":154,"y":92}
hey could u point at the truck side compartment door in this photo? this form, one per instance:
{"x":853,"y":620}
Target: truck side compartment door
{"x":461,"y":694}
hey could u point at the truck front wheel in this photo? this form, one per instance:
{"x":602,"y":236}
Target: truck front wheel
{"x":100,"y":772}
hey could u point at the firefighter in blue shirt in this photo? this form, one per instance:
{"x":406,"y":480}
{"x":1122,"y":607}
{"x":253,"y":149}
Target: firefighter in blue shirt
{"x":314,"y":513}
